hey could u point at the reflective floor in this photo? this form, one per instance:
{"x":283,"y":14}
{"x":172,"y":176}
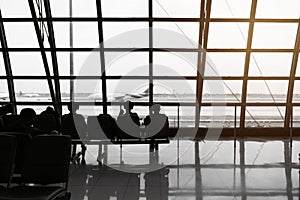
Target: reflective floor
{"x":186,"y":169}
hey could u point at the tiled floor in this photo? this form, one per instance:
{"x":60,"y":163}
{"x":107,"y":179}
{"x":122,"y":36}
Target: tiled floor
{"x":187,"y":169}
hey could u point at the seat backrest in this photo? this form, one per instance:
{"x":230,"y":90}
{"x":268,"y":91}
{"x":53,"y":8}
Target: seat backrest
{"x":45,"y":122}
{"x":127,"y":128}
{"x":158,"y":127}
{"x":101,"y":127}
{"x":68,"y":126}
{"x":23,"y":140}
{"x":8,"y":146}
{"x":47,"y":160}
{"x":10,"y":119}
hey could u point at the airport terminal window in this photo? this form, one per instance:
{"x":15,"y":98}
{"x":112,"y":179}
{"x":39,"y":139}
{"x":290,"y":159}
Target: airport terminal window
{"x":269,"y":51}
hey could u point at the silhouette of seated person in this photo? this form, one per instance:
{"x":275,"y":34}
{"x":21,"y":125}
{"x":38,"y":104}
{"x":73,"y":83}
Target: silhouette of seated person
{"x":74,"y":124}
{"x":156,"y":124}
{"x":8,"y":108}
{"x":25,"y":123}
{"x":50,"y":111}
{"x":129,"y":122}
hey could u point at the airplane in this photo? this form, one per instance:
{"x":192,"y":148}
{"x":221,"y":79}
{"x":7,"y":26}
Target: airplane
{"x":120,"y":97}
{"x":4,"y":96}
{"x":30,"y":95}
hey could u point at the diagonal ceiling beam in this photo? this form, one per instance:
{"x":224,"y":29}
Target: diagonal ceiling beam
{"x":7,"y":65}
{"x":43,"y":52}
{"x":53,"y":55}
{"x":247,"y":63}
{"x":102,"y":56}
{"x":289,"y":99}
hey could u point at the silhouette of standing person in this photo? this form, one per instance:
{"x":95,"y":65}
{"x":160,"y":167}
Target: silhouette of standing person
{"x":74,"y":124}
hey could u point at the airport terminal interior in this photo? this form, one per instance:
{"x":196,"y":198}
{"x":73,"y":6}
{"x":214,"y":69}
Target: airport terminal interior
{"x":149,"y":99}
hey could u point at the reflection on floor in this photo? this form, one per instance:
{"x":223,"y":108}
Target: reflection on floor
{"x":190,"y":170}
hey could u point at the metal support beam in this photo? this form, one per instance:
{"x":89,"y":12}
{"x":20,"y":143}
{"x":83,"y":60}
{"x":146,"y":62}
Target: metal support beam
{"x":289,"y":98}
{"x":53,"y":56}
{"x":102,"y":56}
{"x":150,"y":10}
{"x":202,"y":45}
{"x":7,"y":65}
{"x":43,"y":53}
{"x":247,"y":63}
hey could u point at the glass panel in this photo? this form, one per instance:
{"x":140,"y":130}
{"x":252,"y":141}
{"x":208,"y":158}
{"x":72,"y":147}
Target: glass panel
{"x":174,"y":91}
{"x":27,"y":63}
{"x":222,"y":91}
{"x":87,"y":38}
{"x":230,"y":9}
{"x":21,"y":34}
{"x":127,"y":8}
{"x":32,"y":90}
{"x":15,"y":8}
{"x":274,"y":35}
{"x":85,"y":8}
{"x":89,"y":110}
{"x":278,"y":9}
{"x":121,"y":34}
{"x":65,"y":90}
{"x":298,"y":67}
{"x":187,"y":116}
{"x":225,"y":64}
{"x":175,"y":64}
{"x":127,"y":63}
{"x":267,"y":91}
{"x":122,"y":90}
{"x":85,"y":63}
{"x":87,"y":90}
{"x":270,"y":64}
{"x":258,"y":116}
{"x":176,"y":8}
{"x":227,"y":35}
{"x":2,"y":66}
{"x":296,"y":93}
{"x":296,"y":116}
{"x":4,"y":96}
{"x":176,"y":34}
{"x":62,"y":34}
{"x":60,"y":8}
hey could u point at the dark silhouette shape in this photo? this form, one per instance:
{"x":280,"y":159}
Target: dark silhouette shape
{"x":128,"y":123}
{"x":25,"y":123}
{"x":68,"y":127}
{"x":8,"y":146}
{"x":50,"y":111}
{"x":157,"y":124}
{"x":157,"y":184}
{"x":47,"y":162}
{"x":8,"y":108}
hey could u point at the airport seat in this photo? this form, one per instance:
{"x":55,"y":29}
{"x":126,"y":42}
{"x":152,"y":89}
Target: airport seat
{"x":127,"y":128}
{"x":8,"y":146}
{"x":23,"y":140}
{"x":10,"y":119}
{"x":101,"y":127}
{"x":158,"y":127}
{"x":46,"y":123}
{"x":45,"y":172}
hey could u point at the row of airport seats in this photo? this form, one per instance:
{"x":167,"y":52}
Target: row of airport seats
{"x":102,"y":127}
{"x":41,"y":165}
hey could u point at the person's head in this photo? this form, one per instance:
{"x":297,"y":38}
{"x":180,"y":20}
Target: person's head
{"x":155,"y":108}
{"x":27,"y":116}
{"x":128,"y":106}
{"x":49,"y":109}
{"x":73,"y":107}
